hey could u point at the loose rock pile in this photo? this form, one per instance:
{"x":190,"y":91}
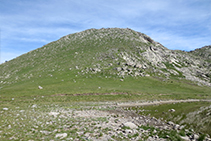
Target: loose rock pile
{"x":105,"y":122}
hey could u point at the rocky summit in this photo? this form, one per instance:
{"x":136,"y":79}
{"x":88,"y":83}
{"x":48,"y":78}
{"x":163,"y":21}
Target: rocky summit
{"x":116,"y":51}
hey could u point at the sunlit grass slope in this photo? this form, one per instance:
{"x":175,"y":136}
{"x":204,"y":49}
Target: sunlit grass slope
{"x":87,"y":62}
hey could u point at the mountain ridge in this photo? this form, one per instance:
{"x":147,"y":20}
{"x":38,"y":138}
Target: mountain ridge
{"x":106,"y":78}
{"x":117,"y":51}
{"x":204,"y":52}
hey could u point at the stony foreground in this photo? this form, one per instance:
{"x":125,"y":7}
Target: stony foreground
{"x":53,"y":122}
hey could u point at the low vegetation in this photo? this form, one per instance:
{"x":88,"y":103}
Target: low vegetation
{"x":45,"y":118}
{"x":48,"y":93}
{"x":193,"y":115}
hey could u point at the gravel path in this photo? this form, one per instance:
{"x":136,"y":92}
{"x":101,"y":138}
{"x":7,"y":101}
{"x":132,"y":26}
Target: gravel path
{"x":129,"y":104}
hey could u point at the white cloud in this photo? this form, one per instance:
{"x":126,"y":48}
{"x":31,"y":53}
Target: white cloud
{"x":6,"y":56}
{"x":174,"y":41}
{"x":176,"y":24}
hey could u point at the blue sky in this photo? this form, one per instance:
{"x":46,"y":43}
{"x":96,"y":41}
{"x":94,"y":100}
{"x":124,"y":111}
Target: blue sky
{"x":29,"y":24}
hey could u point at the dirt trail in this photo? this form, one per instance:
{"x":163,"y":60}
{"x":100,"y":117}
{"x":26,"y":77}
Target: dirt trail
{"x":129,"y":104}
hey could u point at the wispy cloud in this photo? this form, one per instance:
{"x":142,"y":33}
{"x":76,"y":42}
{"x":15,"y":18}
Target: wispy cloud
{"x":10,"y":55}
{"x":26,"y":25}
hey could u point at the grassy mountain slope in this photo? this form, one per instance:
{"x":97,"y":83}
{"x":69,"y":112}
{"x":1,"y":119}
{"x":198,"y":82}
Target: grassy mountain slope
{"x":106,"y":61}
{"x":95,"y":71}
{"x":204,"y":52}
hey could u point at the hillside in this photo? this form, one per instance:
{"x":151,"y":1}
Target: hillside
{"x":107,"y":56}
{"x":204,"y":52}
{"x":106,"y":84}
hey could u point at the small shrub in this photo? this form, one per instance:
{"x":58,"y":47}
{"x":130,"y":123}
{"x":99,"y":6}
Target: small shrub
{"x":136,"y":135}
{"x":201,"y":137}
{"x":182,"y":133}
{"x":125,"y":127}
{"x":101,"y":134}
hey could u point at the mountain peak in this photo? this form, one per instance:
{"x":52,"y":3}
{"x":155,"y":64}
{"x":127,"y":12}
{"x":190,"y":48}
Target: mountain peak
{"x":114,"y":33}
{"x":114,"y":51}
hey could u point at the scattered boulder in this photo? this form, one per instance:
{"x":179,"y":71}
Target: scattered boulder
{"x":5,"y":109}
{"x":121,"y":79}
{"x":95,"y":70}
{"x":138,"y":66}
{"x":53,"y":114}
{"x":61,"y":135}
{"x":110,"y":64}
{"x":195,"y":137}
{"x":9,"y":126}
{"x":181,"y":127}
{"x":39,"y":87}
{"x":124,"y":68}
{"x":118,"y":68}
{"x":172,"y":110}
{"x":122,"y":73}
{"x":45,"y":132}
{"x":186,"y":138}
{"x":128,"y":131}
{"x":176,"y":127}
{"x":131,"y":125}
{"x":137,"y":73}
{"x":34,"y":106}
{"x":170,"y":123}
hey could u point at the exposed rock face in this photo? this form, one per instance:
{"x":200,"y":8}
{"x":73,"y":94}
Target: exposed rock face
{"x":168,"y":63}
{"x":204,"y":52}
{"x":153,"y":59}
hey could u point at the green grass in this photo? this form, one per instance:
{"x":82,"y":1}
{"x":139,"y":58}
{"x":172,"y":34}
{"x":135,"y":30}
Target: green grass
{"x":50,"y":65}
{"x":97,"y":83}
{"x":184,"y":114}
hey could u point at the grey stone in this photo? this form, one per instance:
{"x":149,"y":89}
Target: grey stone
{"x":181,"y":127}
{"x":124,"y":68}
{"x":195,"y":136}
{"x":186,"y":138}
{"x":96,"y":70}
{"x":45,"y":132}
{"x":131,"y":125}
{"x":172,"y":110}
{"x":127,"y":131}
{"x":208,"y":139}
{"x":176,"y":127}
{"x":137,"y":73}
{"x":61,"y":135}
{"x":170,"y":123}
{"x":5,"y":109}
{"x":54,"y":114}
{"x":34,"y":106}
{"x":138,"y":65}
{"x":39,"y":87}
{"x":118,"y":68}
